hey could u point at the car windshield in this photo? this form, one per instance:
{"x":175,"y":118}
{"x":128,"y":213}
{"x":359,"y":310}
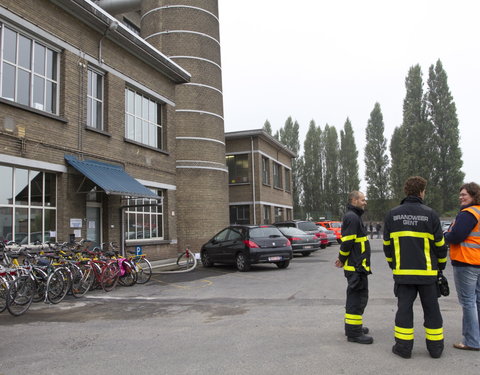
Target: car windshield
{"x":307,"y":225}
{"x":290,"y":231}
{"x":336,"y":225}
{"x":265,"y":232}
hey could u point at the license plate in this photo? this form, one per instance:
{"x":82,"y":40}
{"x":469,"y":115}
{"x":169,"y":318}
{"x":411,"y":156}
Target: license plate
{"x":273,"y":259}
{"x":308,"y":247}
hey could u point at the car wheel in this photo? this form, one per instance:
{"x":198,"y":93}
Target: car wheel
{"x":206,"y":260}
{"x":306,"y":253}
{"x":242,"y":262}
{"x":283,"y":264}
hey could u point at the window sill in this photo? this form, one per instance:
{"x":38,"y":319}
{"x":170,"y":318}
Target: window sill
{"x":238,"y":183}
{"x":33,"y":110}
{"x":148,"y":241}
{"x":278,"y":188}
{"x":145,"y":146}
{"x":268,"y":185}
{"x":98,"y":131}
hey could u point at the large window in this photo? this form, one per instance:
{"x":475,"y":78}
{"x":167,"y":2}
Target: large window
{"x":240,"y":214}
{"x":278,"y":213}
{"x":29,"y":71}
{"x":237,"y":168}
{"x":27,"y":205}
{"x":143,"y":119}
{"x":95,"y":99}
{"x":265,"y":170}
{"x":266,"y":215}
{"x":277,"y":175}
{"x":144,"y":218}
{"x":287,"y":180}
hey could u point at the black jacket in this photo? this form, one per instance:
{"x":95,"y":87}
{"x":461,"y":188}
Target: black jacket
{"x":413,"y":242}
{"x":355,"y":247}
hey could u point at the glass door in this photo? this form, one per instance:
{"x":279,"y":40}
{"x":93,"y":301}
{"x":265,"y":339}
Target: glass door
{"x":94,"y":223}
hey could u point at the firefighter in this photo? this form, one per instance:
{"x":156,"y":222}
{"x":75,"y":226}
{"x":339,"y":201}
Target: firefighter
{"x":415,"y":250}
{"x":354,"y":257}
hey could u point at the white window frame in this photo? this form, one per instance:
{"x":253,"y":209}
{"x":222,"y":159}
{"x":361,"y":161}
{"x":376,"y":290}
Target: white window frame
{"x":265,"y":170}
{"x":32,"y":74}
{"x":155,"y":217}
{"x":93,"y":99}
{"x":140,"y":127}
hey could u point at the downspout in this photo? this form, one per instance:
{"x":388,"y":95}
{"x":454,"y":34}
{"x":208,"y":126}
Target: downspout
{"x":253,"y":184}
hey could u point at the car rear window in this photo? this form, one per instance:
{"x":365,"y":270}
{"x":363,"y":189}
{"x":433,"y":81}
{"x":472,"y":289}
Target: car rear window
{"x":265,"y":232}
{"x":336,"y":225}
{"x":307,"y":225}
{"x":291,"y":231}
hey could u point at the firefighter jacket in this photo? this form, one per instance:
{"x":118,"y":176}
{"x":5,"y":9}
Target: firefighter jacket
{"x":355,"y":247}
{"x":468,"y":251}
{"x":413,"y":242}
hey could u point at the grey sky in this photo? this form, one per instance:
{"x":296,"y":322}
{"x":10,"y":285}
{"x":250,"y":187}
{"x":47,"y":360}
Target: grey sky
{"x":329,"y":60}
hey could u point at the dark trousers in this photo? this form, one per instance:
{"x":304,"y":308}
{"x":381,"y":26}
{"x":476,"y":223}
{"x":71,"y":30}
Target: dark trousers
{"x":404,"y":331}
{"x":357,"y":298}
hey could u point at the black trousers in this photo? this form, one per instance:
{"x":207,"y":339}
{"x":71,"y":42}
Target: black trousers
{"x":404,"y":331}
{"x":357,"y":298}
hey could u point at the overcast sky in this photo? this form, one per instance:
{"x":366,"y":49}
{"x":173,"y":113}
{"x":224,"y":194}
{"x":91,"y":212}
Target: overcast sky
{"x":329,"y":60}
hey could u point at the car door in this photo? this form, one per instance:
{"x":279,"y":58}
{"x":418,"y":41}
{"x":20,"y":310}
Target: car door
{"x":215,"y":246}
{"x":233,"y":244}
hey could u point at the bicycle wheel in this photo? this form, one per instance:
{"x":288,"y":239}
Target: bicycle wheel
{"x":110,"y":276}
{"x":3,"y":294}
{"x":41,"y":278}
{"x":82,"y":280}
{"x":58,"y":284}
{"x":144,"y":270}
{"x":20,"y":295}
{"x":97,"y":272}
{"x":129,"y":277}
{"x":186,"y":261}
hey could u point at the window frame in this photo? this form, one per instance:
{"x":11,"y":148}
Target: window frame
{"x":277,"y":176}
{"x":244,"y":218}
{"x":288,"y":185}
{"x":31,"y":72}
{"x":265,"y":170}
{"x":140,"y":209}
{"x":237,"y":169}
{"x":92,"y":99}
{"x":134,"y":129}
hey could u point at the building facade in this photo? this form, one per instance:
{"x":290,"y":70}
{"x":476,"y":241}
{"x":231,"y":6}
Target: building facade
{"x":88,"y":142}
{"x":260,"y":178}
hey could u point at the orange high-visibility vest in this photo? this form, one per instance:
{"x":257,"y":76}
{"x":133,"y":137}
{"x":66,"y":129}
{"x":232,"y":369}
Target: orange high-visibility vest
{"x":468,"y":251}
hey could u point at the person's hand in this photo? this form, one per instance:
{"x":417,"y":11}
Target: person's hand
{"x":338,"y":264}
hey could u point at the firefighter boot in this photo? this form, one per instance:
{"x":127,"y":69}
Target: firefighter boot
{"x":435,"y":348}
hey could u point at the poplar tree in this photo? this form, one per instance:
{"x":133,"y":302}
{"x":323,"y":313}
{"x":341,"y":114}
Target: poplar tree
{"x":312,"y":176}
{"x":397,"y":170}
{"x":377,"y":169}
{"x":442,"y":114}
{"x":332,"y":193}
{"x":348,"y":163}
{"x":267,"y":127}
{"x":289,"y":136}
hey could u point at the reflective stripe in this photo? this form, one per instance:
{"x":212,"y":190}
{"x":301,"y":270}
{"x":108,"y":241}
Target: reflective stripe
{"x":415,"y":272}
{"x":475,"y":234}
{"x":412,"y":234}
{"x":348,"y":238}
{"x":434,"y":334}
{"x":442,"y":260}
{"x":404,"y":333}
{"x":361,"y":239}
{"x":440,"y":243}
{"x":353,"y":319}
{"x":386,"y":243}
{"x":470,"y":245}
{"x":389,"y":259}
{"x":428,"y":260}
{"x":475,"y":209}
{"x":345,"y":253}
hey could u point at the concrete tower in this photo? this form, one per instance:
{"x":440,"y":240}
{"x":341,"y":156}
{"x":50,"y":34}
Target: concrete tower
{"x":187,"y":31}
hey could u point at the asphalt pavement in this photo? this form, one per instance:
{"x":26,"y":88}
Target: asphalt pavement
{"x":221,"y":321}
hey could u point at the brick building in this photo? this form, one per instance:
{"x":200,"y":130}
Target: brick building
{"x":102,"y":136}
{"x":260,"y":178}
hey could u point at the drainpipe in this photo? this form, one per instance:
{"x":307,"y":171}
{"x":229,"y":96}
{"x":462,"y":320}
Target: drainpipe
{"x":253,"y":184}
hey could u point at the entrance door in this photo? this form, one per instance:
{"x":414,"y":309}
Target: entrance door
{"x":94,"y":223}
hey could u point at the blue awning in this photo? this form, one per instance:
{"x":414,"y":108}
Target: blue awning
{"x":110,"y":178}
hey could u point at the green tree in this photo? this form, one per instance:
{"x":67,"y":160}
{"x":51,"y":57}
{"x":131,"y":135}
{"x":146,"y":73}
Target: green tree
{"x":267,"y":127}
{"x":289,"y":136}
{"x":377,"y":169}
{"x":442,"y":114}
{"x":348,"y":162}
{"x":312,"y":176}
{"x":330,"y":180}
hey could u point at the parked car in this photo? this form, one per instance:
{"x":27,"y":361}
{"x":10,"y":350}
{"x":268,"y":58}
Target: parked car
{"x":336,"y":226}
{"x":331,"y":236}
{"x":301,"y":242}
{"x":308,"y":227}
{"x":244,"y":245}
{"x":445,"y":225}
